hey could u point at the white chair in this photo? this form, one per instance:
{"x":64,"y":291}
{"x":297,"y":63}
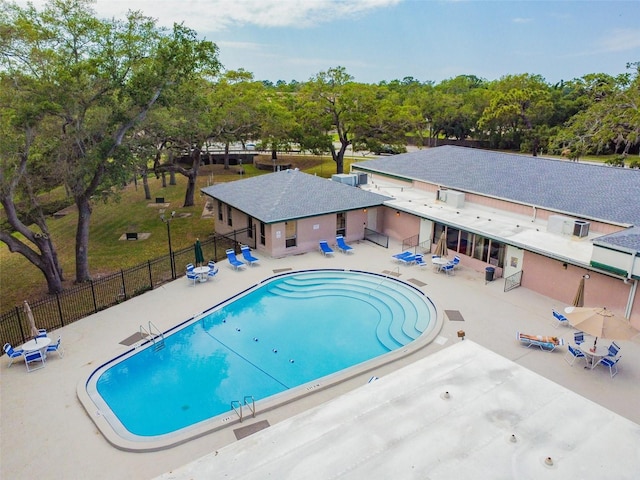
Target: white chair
{"x":56,"y":347}
{"x":32,"y":358}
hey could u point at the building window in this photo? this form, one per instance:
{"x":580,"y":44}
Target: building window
{"x":453,"y":235}
{"x":263,"y":239}
{"x":249,"y":226}
{"x":438,"y":228}
{"x":341,"y":223}
{"x":465,"y":243}
{"x":496,"y":253}
{"x":290,"y":234}
{"x":229,"y":216}
{"x":220,"y":217}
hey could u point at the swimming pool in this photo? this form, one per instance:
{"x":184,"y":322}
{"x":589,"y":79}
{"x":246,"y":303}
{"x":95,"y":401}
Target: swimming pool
{"x":291,"y":333}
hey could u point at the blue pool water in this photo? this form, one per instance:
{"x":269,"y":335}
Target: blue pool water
{"x":286,"y":332}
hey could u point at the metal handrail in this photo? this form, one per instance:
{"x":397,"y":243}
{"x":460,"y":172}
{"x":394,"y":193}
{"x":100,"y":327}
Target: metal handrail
{"x":237,"y":410}
{"x":251,"y":406}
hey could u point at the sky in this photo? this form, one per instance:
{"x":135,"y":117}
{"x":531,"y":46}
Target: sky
{"x":384,"y":40}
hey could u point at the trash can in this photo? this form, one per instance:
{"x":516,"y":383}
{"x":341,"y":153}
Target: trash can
{"x":488,"y":274}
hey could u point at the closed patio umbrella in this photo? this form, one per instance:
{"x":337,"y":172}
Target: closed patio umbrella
{"x":198,"y":252}
{"x":32,"y":321}
{"x":601,"y":323}
{"x":441,"y":246}
{"x":578,"y":300}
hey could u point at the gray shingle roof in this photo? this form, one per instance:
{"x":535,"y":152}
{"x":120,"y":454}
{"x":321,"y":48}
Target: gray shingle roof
{"x":582,"y":190}
{"x":291,"y":194}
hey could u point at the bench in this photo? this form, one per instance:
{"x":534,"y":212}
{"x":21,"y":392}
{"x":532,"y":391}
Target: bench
{"x":132,"y":235}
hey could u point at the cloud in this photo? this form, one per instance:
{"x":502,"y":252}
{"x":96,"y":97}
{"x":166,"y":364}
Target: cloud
{"x":217,"y":15}
{"x":621,"y":40}
{"x":521,"y":20}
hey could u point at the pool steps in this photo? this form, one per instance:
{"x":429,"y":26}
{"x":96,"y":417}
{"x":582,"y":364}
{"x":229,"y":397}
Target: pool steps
{"x":391,"y":333}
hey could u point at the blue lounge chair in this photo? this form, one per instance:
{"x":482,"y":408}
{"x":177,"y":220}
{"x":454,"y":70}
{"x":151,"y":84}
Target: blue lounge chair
{"x":544,"y":343}
{"x":410,"y":259}
{"x":246,"y":254}
{"x":11,"y":353}
{"x":342,"y":246}
{"x":33,"y":357}
{"x":399,"y":256}
{"x":573,"y":354}
{"x":56,"y":347}
{"x":560,"y":319}
{"x":233,"y":260}
{"x":326,"y":250}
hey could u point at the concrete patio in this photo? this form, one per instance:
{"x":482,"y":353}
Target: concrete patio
{"x":48,"y":434}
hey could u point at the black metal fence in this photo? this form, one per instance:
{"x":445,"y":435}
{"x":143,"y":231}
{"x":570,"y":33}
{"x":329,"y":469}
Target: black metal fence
{"x":55,"y":311}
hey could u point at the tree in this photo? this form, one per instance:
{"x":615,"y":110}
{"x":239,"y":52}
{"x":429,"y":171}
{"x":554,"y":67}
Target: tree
{"x":518,"y":105}
{"x":101,"y":78}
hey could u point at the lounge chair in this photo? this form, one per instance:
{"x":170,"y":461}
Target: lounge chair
{"x":326,"y":250}
{"x":11,"y":353}
{"x":560,"y":319}
{"x":420,"y":262}
{"x":233,"y":260}
{"x":610,"y":362}
{"x":572,"y":354}
{"x":544,"y":343}
{"x":56,"y":347}
{"x":246,"y":254}
{"x":400,"y":256}
{"x":342,"y":246}
{"x":33,"y":357}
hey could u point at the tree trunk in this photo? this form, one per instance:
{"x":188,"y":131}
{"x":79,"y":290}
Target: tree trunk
{"x":164,"y":180}
{"x":226,"y":156}
{"x":274,"y":155}
{"x":145,"y":184}
{"x":82,"y":239}
{"x":192,"y":175}
{"x":172,"y":177}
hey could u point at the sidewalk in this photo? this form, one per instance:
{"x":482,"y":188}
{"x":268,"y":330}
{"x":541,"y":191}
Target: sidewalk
{"x":48,"y":434}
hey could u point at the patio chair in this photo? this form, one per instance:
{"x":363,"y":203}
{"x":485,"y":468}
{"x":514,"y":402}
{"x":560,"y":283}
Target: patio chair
{"x":190,"y":267}
{"x":233,"y":260}
{"x":545,"y":343}
{"x":193,"y":277}
{"x":342,"y":246}
{"x":213,"y":269}
{"x":612,"y":363}
{"x":578,"y":337}
{"x":11,"y":353}
{"x":455,"y":261}
{"x":420,"y":261}
{"x":560,"y":319}
{"x":56,"y":347}
{"x":573,"y":354}
{"x":448,"y":268}
{"x":613,"y":350}
{"x":326,"y":250}
{"x":410,"y":259}
{"x":42,"y":333}
{"x":246,"y":254}
{"x":32,"y":358}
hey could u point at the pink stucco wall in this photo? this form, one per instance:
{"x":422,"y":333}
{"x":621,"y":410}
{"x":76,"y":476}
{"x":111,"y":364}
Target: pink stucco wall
{"x":548,"y":277}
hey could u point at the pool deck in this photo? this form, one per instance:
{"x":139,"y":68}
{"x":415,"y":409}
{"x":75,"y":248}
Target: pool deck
{"x":46,"y":433}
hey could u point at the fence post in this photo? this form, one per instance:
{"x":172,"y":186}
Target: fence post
{"x":60,"y":310}
{"x":20,"y":323}
{"x":124,"y":288}
{"x":150,"y":276}
{"x":93,"y":295}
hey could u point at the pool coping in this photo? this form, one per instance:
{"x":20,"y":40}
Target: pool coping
{"x":230,"y":419}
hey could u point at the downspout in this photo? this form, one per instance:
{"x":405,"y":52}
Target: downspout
{"x":633,"y":289}
{"x":535,"y":213}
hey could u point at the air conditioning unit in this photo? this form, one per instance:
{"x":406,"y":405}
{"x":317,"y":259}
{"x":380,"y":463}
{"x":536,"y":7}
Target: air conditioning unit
{"x":455,"y":199}
{"x":345,"y":178}
{"x":363,"y":178}
{"x":581,"y":228}
{"x":442,"y":195}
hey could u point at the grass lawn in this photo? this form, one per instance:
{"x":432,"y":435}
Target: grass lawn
{"x":20,"y":280}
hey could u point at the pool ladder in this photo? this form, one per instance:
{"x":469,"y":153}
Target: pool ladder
{"x":386,"y":277}
{"x":249,"y":401}
{"x":154,"y":335}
